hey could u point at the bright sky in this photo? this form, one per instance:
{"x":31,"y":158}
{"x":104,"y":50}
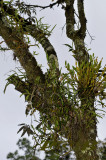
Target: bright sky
{"x":12,"y":107}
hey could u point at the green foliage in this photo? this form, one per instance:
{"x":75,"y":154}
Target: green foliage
{"x":16,"y":22}
{"x":49,"y":140}
{"x":12,"y":78}
{"x":22,"y":8}
{"x":69,"y":92}
{"x":102,"y":149}
{"x":26,"y":129}
{"x":85,"y":81}
{"x":71,"y":49}
{"x":44,"y":27}
{"x":80,"y":81}
{"x":28,"y":151}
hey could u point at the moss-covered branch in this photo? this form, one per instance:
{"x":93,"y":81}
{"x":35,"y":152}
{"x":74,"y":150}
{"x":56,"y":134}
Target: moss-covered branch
{"x":70,"y":19}
{"x":20,"y":85}
{"x":76,"y":35}
{"x":16,"y":42}
{"x":35,"y":32}
{"x":82,"y":18}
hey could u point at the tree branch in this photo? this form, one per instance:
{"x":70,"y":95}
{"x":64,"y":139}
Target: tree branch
{"x":20,"y":85}
{"x":77,"y":36}
{"x":43,"y":7}
{"x":82,"y":18}
{"x":36,"y":33}
{"x":70,"y":19}
{"x":15,"y":42}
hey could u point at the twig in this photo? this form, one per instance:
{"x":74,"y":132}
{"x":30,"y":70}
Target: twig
{"x":63,"y":27}
{"x":90,"y":36}
{"x":43,"y":7}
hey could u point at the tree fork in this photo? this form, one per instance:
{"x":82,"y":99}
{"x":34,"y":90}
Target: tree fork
{"x":80,"y":128}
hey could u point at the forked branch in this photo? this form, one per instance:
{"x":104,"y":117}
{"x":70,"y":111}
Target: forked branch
{"x":35,"y":32}
{"x":76,"y":35}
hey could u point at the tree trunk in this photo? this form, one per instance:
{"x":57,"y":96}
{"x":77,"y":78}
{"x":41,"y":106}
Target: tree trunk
{"x":46,"y":94}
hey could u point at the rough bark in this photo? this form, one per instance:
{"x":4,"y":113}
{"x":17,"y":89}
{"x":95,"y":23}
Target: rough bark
{"x":15,"y":42}
{"x":77,"y":36}
{"x":80,"y":129}
{"x":86,"y":133}
{"x":36,"y":33}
